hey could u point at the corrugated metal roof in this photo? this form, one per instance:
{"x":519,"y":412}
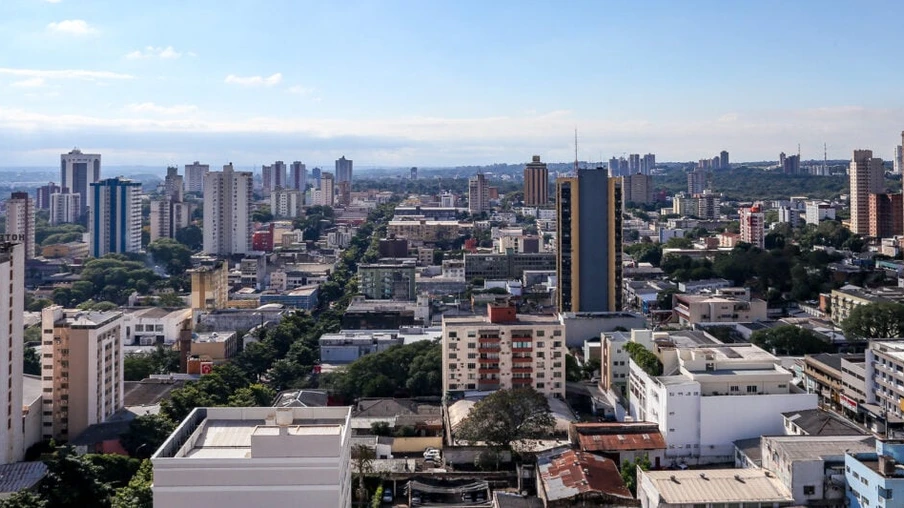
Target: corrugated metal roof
{"x":621,"y":442}
{"x":21,"y":475}
{"x":717,"y":486}
{"x":566,"y":473}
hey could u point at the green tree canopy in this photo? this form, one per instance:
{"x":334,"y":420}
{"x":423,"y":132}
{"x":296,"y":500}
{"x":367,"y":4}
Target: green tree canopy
{"x":506,"y":416}
{"x":883,"y":320}
{"x":790,"y":340}
{"x":146,"y":434}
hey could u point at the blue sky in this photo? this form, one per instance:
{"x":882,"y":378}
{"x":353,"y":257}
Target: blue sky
{"x":432,"y":83}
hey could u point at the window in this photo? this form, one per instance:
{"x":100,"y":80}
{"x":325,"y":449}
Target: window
{"x":557,"y":333}
{"x":752,"y":389}
{"x":453,"y":366}
{"x":557,"y":343}
{"x":472,"y":356}
{"x":472,"y":345}
{"x":472,"y":365}
{"x":734,"y":388}
{"x":540,"y":333}
{"x":541,"y":344}
{"x":453,"y":356}
{"x":452,"y":335}
{"x":809,"y":490}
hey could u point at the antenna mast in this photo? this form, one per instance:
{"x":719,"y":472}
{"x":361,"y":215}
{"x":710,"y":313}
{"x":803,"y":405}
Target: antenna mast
{"x":575,"y":151}
{"x":825,"y":160}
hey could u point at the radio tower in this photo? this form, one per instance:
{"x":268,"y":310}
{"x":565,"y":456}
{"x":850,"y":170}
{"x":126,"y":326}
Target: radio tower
{"x":825,"y":160}
{"x":575,"y":151}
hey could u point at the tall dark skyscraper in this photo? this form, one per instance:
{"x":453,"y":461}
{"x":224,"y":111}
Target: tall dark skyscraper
{"x":77,"y":172}
{"x":536,"y":183}
{"x":298,"y":177}
{"x":724,"y":163}
{"x":589,"y":237}
{"x":343,"y":169}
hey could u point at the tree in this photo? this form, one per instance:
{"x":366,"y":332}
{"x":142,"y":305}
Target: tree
{"x":73,"y":481}
{"x":256,"y":395}
{"x":573,"y":372}
{"x":362,"y":463}
{"x":629,"y":471}
{"x":790,"y":340}
{"x":24,"y":499}
{"x":590,"y":367}
{"x":644,"y":358}
{"x":146,"y":434}
{"x":506,"y":416}
{"x":884,"y":320}
{"x":381,"y":429}
{"x":174,"y":256}
{"x":170,"y":300}
{"x":191,"y":237}
{"x":32,"y":362}
{"x":137,"y":494}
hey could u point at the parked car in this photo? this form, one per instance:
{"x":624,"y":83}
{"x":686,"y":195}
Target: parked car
{"x":432,"y":454}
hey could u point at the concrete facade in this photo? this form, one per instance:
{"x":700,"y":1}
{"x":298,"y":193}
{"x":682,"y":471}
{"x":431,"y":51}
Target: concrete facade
{"x":504,"y":350}
{"x":240,"y":457}
{"x":82,"y":368}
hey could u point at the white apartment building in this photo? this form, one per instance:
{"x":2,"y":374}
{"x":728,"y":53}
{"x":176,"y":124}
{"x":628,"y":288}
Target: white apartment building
{"x":885,"y":377}
{"x":256,"y":456}
{"x":710,"y":395}
{"x":115,"y":217}
{"x":806,"y":465}
{"x":194,"y":176}
{"x":286,"y":203}
{"x":12,"y":303}
{"x":20,"y":220}
{"x":818,"y":211}
{"x":148,"y":327}
{"x":168,"y":217}
{"x":77,"y":172}
{"x":64,"y":208}
{"x":82,"y":366}
{"x":501,"y":351}
{"x":227,"y":212}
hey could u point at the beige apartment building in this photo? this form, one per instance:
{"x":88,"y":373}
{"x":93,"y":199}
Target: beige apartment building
{"x":82,"y":369}
{"x":210,"y":286}
{"x":256,"y":456}
{"x":501,"y":351}
{"x":723,"y":307}
{"x":12,"y":301}
{"x":416,"y":228}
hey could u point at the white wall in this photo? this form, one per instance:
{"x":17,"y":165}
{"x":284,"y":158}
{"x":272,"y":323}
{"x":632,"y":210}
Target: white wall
{"x":725,"y":419}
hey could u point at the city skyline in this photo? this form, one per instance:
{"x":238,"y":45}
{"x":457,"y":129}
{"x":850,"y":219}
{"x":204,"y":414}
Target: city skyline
{"x":215,"y":86}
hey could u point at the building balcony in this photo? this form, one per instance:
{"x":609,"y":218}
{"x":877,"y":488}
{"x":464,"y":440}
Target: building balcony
{"x":522,"y":349}
{"x":488,"y":350}
{"x":488,"y":370}
{"x":521,"y":381}
{"x":523,"y":369}
{"x":527,"y":359}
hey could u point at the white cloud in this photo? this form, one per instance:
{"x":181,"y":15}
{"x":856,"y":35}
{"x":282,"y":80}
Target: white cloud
{"x":167,"y":53}
{"x":271,"y":80}
{"x":72,"y":27}
{"x":150,"y":107}
{"x":64,"y":74}
{"x":29,"y":83}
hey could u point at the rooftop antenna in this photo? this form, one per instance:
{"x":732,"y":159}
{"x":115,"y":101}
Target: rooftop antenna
{"x":575,"y":151}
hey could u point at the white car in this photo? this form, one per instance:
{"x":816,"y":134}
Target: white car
{"x":432,"y":454}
